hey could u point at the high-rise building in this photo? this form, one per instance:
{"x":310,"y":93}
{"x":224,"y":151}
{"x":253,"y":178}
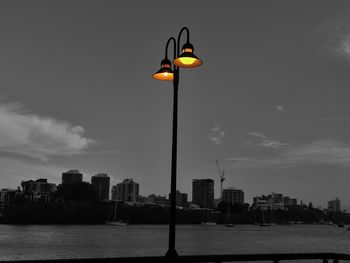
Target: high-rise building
{"x":203,"y":193}
{"x":181,"y":199}
{"x":289,"y":202}
{"x":39,"y":190}
{"x":273,"y":201}
{"x":233,"y":196}
{"x":157,"y":199}
{"x":7,"y":197}
{"x":38,"y":186}
{"x":71,"y":177}
{"x":114,"y":192}
{"x":100,"y":183}
{"x":334,"y":205}
{"x":128,"y":191}
{"x":260,"y":202}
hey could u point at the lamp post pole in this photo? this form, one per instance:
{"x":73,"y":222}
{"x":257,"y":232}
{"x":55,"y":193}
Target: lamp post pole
{"x":172,"y":224}
{"x":187,"y":60}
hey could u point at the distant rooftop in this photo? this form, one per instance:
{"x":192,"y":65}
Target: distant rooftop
{"x":41,"y":180}
{"x":73,"y":172}
{"x":100,"y":175}
{"x":129,"y":180}
{"x":202,"y":180}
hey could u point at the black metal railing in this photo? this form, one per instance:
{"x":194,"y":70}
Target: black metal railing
{"x":323,"y":257}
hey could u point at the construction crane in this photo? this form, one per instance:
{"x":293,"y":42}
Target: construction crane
{"x":222,"y":177}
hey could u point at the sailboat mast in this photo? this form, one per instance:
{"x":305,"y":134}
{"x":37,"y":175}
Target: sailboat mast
{"x":115,"y":207}
{"x":228,"y":215}
{"x":263,"y":219}
{"x":222,"y":177}
{"x":115,"y":210}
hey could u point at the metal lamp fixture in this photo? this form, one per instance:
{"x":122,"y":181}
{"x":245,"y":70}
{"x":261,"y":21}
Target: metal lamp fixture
{"x":187,"y":59}
{"x":165,"y":72}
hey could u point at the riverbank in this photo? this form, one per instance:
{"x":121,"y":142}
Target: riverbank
{"x":79,"y":212}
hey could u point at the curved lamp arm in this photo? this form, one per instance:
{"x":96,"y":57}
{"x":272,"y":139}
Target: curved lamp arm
{"x":167,"y":46}
{"x":179,"y":37}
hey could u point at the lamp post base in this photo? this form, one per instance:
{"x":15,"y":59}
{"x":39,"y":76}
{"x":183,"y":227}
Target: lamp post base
{"x":171,"y":253}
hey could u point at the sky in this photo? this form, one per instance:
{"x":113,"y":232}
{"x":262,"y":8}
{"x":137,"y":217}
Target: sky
{"x":270,"y":101}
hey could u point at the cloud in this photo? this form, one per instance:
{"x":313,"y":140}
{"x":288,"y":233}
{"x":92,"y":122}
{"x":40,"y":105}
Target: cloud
{"x":337,"y":34}
{"x":104,"y":152}
{"x":342,"y":48}
{"x":272,"y":143}
{"x":327,"y":150}
{"x":278,"y":108}
{"x":36,"y":136}
{"x":217,"y":135}
{"x":216,"y":128}
{"x":264,"y":141}
{"x":257,"y":134}
{"x":239,"y":159}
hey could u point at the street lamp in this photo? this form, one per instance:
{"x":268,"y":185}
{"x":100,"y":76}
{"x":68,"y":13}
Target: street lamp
{"x":168,"y":72}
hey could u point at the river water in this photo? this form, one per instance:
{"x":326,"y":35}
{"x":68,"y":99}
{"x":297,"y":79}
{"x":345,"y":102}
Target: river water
{"x":81,"y":241}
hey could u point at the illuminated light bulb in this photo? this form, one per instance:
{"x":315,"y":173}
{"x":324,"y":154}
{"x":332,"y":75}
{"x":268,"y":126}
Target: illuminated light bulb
{"x":187,"y":59}
{"x":165,"y":72}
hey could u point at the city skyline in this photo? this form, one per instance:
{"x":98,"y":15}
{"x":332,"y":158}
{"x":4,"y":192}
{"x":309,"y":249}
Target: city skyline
{"x":270,"y":101}
{"x":70,"y":176}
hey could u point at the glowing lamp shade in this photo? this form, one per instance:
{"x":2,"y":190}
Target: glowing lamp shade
{"x":165,"y":72}
{"x":187,"y":59}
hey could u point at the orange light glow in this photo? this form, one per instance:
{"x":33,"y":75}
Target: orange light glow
{"x":165,"y":72}
{"x":166,"y":76}
{"x":187,"y":61}
{"x":187,"y":50}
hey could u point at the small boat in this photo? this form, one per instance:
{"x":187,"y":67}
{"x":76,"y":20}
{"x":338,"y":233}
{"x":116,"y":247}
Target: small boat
{"x":228,"y":220}
{"x":209,"y":223}
{"x":116,"y":222}
{"x":263,"y":220}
